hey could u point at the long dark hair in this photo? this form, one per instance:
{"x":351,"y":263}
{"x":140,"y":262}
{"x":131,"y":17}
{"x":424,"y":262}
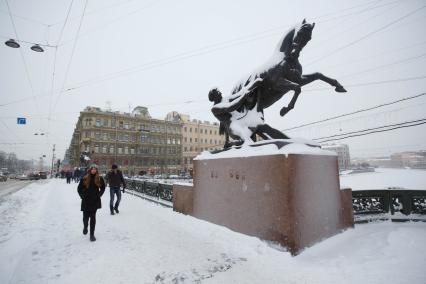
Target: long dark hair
{"x":88,"y":176}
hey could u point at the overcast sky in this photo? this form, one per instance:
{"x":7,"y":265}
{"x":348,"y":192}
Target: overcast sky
{"x":168,"y":54}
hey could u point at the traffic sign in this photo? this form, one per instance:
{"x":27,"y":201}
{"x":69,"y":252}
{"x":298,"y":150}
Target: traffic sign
{"x":21,"y":120}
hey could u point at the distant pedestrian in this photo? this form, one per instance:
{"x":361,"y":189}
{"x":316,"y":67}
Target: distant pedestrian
{"x":90,"y":189}
{"x":115,"y":179}
{"x":68,"y":175}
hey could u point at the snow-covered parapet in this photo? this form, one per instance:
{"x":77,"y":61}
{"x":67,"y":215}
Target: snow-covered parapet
{"x":269,"y":147}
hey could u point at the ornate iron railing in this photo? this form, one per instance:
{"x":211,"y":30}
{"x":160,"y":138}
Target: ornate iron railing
{"x":153,"y":191}
{"x":391,"y":204}
{"x":367,"y":204}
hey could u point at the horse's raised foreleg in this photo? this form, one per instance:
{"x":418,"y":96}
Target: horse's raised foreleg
{"x":308,"y":78}
{"x":286,"y":85}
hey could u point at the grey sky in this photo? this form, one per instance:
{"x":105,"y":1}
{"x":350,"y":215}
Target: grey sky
{"x":168,"y":54}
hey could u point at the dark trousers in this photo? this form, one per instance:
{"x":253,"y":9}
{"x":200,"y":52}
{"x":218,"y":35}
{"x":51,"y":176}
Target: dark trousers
{"x":92,"y":216}
{"x":112,"y":192}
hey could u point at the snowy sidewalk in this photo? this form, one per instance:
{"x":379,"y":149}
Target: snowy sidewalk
{"x":41,"y":241}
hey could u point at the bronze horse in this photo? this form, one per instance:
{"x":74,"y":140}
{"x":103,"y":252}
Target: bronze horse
{"x":270,"y":83}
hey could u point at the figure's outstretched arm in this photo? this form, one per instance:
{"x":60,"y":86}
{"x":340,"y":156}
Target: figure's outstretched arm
{"x":234,"y":101}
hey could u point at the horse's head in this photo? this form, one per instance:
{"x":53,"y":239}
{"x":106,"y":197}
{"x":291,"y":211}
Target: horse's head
{"x":302,"y":36}
{"x":296,"y":39}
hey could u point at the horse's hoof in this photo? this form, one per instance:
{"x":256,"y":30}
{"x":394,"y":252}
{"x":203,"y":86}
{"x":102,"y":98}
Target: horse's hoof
{"x":283,"y":111}
{"x":340,"y":89}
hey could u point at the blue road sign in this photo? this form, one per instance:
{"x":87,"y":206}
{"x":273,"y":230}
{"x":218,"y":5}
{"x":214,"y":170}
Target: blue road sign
{"x":22,"y":120}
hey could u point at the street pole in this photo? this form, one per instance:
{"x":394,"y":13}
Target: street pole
{"x":53,"y":158}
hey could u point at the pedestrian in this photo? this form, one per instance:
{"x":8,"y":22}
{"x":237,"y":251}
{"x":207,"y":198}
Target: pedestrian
{"x":90,"y":189}
{"x":68,"y":175}
{"x":115,"y":179}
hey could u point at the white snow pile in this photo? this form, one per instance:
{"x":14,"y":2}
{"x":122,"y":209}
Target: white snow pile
{"x":41,"y":241}
{"x":296,"y":146}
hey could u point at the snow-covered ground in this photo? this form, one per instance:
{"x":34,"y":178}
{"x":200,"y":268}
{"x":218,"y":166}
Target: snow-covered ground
{"x":383,"y":178}
{"x":41,"y":241}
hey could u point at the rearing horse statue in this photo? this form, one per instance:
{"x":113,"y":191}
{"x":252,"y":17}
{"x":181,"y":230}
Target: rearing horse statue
{"x":282,"y":73}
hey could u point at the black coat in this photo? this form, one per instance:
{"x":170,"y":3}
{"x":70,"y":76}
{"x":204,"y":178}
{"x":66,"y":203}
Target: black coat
{"x":91,"y":197}
{"x":115,"y":179}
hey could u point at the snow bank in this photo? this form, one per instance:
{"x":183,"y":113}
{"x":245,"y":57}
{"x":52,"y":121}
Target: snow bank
{"x":384,"y":178}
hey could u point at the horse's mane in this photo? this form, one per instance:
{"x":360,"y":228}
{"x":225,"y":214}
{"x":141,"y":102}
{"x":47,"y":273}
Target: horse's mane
{"x":282,"y":49}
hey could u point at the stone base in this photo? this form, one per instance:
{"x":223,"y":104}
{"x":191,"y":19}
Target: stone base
{"x":294,"y":200}
{"x":183,"y":198}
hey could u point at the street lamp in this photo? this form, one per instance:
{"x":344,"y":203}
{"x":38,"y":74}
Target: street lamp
{"x":37,"y":48}
{"x":13,"y":44}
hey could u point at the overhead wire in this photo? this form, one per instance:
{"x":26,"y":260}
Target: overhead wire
{"x":357,"y":111}
{"x":95,"y":11}
{"x":376,"y":130}
{"x":333,"y":52}
{"x":54,"y":63}
{"x":23,"y":59}
{"x":188,"y":54}
{"x":373,"y":128}
{"x":71,"y":58}
{"x":110,"y":22}
{"x":184,"y":55}
{"x":26,"y":19}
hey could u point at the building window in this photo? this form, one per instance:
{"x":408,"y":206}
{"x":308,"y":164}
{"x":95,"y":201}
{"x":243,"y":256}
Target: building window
{"x":105,"y":122}
{"x":120,"y":124}
{"x":111,"y":149}
{"x":113,"y":122}
{"x":104,"y":149}
{"x":120,"y":150}
{"x":190,"y":129}
{"x":96,"y":149}
{"x":205,"y":131}
{"x":88,"y":122}
{"x":190,"y":140}
{"x":184,"y":129}
{"x":126,"y":125}
{"x":126,"y":150}
{"x":185,"y":149}
{"x":98,"y":122}
{"x":184,"y":139}
{"x":195,"y":140}
{"x":196,"y":130}
{"x":132,"y":151}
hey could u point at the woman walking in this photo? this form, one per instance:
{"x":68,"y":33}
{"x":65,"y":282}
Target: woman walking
{"x":90,"y":189}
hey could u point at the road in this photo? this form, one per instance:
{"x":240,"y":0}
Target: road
{"x":11,"y":186}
